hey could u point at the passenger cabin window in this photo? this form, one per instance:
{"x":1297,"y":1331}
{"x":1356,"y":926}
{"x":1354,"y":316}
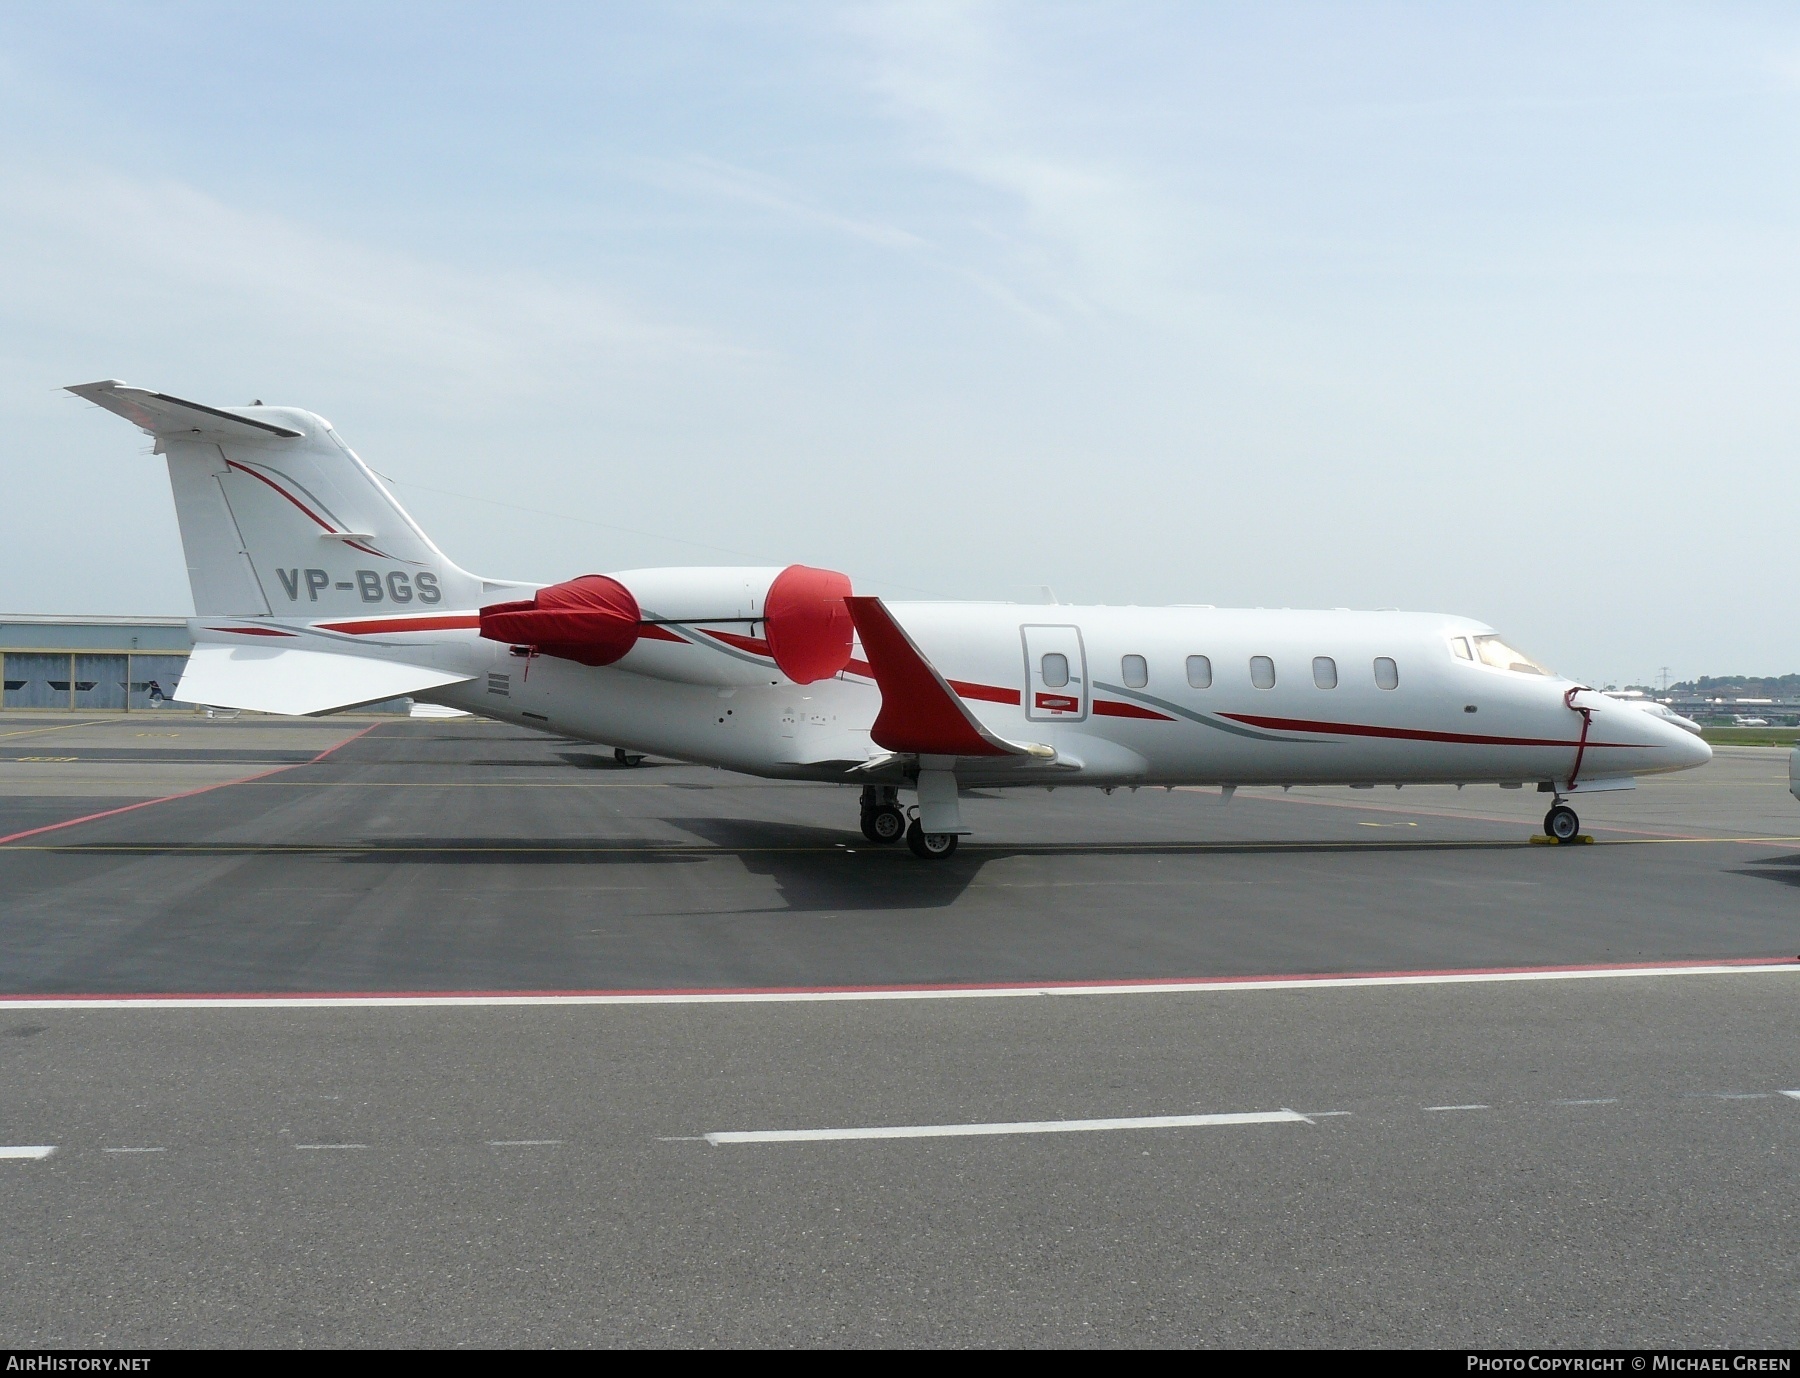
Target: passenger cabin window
{"x":1324,"y":672}
{"x":1460,"y":645}
{"x":1199,"y":672}
{"x":1136,"y":672}
{"x":1491,"y":650}
{"x":1262,"y":672}
{"x":1387,"y":674}
{"x":1056,"y":670}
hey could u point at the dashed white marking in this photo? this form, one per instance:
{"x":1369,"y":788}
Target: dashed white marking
{"x":330,"y":1145}
{"x":1604,"y":1100}
{"x":522,"y":1143}
{"x":1459,"y":1107}
{"x":134,"y":1150}
{"x":1794,"y":1094}
{"x":1220,"y":985}
{"x":27,"y":1150}
{"x":957,"y":1131}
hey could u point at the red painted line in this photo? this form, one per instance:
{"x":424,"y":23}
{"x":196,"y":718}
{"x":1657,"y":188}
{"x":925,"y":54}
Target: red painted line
{"x":926,"y":987}
{"x":989,"y":693}
{"x":754,"y":644}
{"x":375,"y":626}
{"x":185,"y":794}
{"x":323,"y":524}
{"x":251,"y":631}
{"x":1106,"y":708}
{"x":1344,"y":729}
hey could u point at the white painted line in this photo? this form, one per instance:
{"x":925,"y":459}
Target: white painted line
{"x":1459,"y":1107}
{"x":1218,"y":985}
{"x":134,"y":1150}
{"x":522,"y":1143}
{"x":27,"y":1150}
{"x":1794,"y":1094}
{"x":957,"y":1131}
{"x":330,"y":1145}
{"x":1608,"y":1100}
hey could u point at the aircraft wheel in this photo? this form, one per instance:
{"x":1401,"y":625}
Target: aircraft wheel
{"x":1561,"y":823}
{"x":627,"y":758}
{"x":884,"y":824}
{"x":930,"y":846}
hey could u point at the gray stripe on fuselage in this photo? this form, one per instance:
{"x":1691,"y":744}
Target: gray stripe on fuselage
{"x":1205,"y":721}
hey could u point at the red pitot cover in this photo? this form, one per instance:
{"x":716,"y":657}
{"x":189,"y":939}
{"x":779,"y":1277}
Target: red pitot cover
{"x":593,"y":620}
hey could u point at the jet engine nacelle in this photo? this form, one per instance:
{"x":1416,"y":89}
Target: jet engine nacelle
{"x":698,"y":626}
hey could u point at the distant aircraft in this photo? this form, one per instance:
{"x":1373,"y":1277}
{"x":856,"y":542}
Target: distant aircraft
{"x":317,"y":592}
{"x":1649,"y":705}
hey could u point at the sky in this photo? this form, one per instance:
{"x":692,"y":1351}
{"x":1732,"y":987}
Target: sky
{"x":1481,"y":309}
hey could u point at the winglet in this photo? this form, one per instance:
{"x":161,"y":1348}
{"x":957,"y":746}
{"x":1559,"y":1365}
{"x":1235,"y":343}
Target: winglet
{"x":920,"y":712}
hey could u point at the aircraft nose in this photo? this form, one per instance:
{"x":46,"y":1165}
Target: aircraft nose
{"x":1678,"y":749}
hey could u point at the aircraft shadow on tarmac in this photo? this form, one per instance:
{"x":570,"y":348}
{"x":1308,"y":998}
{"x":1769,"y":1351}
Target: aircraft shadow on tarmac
{"x":814,"y":869}
{"x":1784,"y":870}
{"x":823,"y":869}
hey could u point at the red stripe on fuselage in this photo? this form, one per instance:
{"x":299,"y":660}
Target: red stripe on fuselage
{"x":251,"y":631}
{"x":988,"y":693}
{"x":753,"y":644}
{"x":378,"y":626}
{"x":650,"y":631}
{"x":1407,"y":734}
{"x":1106,"y":708}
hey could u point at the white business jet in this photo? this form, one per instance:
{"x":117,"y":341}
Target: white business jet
{"x":317,"y":592}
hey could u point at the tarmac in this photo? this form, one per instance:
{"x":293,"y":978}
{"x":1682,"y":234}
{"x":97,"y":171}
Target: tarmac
{"x":442,"y":1033}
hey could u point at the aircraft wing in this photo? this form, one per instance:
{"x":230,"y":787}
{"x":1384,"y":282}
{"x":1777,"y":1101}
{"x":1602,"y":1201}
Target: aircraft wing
{"x":267,"y":679}
{"x":161,"y":414}
{"x":920,"y":713}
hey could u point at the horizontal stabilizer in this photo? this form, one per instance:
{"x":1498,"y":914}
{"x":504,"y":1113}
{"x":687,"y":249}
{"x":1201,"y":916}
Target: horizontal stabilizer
{"x":268,"y":679}
{"x":920,"y":712}
{"x":163,"y":415}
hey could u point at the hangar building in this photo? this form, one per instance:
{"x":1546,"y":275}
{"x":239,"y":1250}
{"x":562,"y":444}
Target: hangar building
{"x":90,"y":664}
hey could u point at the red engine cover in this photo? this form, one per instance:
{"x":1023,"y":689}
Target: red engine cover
{"x":593,"y":620}
{"x":809,"y":628}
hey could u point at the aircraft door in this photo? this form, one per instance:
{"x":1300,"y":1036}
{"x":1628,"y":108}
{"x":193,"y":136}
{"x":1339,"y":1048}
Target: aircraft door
{"x":1056,"y":680}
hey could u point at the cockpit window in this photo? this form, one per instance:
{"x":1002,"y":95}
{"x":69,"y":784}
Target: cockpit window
{"x":1491,"y":650}
{"x":1459,"y":645}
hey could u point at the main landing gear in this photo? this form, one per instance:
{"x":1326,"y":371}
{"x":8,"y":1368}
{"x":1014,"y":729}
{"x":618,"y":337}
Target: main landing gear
{"x":882,"y":820}
{"x":930,"y":846}
{"x":1561,"y":822}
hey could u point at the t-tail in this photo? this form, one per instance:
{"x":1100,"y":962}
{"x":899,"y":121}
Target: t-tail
{"x":280,"y":520}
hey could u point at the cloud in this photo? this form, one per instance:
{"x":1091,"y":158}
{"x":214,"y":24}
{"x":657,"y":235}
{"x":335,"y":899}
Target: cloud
{"x":709,"y":177}
{"x":1081,"y":234}
{"x":102,"y":253}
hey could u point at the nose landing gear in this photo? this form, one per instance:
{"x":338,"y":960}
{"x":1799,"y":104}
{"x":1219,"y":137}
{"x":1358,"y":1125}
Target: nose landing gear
{"x":1561,"y":822}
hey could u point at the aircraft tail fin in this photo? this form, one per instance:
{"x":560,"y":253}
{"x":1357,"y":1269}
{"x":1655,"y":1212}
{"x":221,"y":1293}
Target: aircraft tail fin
{"x":280,"y":518}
